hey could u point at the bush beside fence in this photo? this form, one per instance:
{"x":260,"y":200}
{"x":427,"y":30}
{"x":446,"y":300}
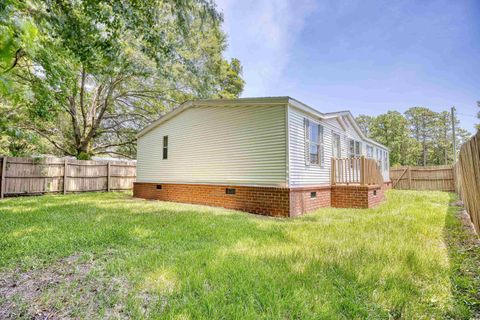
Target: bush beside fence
{"x":29,"y":176}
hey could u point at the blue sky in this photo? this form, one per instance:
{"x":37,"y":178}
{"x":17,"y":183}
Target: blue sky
{"x":364,"y":56}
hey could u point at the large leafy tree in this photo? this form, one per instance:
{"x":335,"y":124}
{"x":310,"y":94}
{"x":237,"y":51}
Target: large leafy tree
{"x":442,"y":137}
{"x":405,"y":138}
{"x":422,"y":122}
{"x":365,"y":122}
{"x":392,"y":130}
{"x":93,"y":73}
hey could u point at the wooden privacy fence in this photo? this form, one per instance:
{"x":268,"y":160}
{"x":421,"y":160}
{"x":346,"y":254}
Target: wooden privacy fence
{"x":423,"y":178}
{"x":359,"y":170}
{"x":28,"y":176}
{"x":467,"y":170}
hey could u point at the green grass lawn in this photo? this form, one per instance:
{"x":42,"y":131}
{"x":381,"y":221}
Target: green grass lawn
{"x":102,"y":255}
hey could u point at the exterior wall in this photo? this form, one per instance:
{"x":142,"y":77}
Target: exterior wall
{"x":271,"y":201}
{"x":260,"y":200}
{"x":301,"y":174}
{"x":356,"y":196}
{"x":301,"y":200}
{"x":228,"y":145}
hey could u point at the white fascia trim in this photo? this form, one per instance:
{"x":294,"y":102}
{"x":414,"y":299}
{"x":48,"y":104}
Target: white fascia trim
{"x":313,"y":112}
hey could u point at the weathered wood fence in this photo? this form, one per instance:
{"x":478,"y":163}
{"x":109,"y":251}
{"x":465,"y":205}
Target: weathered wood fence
{"x":467,"y":170}
{"x":29,"y":176}
{"x":440,"y":178}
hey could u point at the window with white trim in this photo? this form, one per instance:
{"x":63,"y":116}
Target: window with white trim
{"x":379,"y":158}
{"x":314,"y":143}
{"x":369,"y":151}
{"x":385,"y":160}
{"x":354,"y":148}
{"x":336,"y":146}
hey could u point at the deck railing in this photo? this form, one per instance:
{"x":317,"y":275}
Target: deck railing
{"x":358,"y":170}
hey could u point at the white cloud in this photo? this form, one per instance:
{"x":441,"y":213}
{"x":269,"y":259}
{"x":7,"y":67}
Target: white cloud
{"x":261,"y":33}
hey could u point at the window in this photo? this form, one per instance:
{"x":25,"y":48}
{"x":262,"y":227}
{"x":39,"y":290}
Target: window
{"x":230,"y":191}
{"x":379,"y":158}
{"x":165,"y":147}
{"x":336,"y":149}
{"x":385,"y":160}
{"x":313,"y":194}
{"x":369,"y":151}
{"x":355,"y":149}
{"x":314,"y":143}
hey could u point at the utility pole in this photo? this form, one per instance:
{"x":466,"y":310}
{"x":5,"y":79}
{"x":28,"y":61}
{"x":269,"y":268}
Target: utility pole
{"x":453,"y":136}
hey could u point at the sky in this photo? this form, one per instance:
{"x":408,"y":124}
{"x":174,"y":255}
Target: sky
{"x":364,"y":56}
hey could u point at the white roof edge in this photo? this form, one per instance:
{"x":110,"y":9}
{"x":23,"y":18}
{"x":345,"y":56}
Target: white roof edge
{"x":260,"y":100}
{"x":331,"y":115}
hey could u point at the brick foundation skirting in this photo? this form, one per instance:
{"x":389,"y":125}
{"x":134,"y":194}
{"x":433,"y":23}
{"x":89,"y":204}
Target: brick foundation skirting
{"x":272,"y":201}
{"x":307,"y":199}
{"x":356,"y":196}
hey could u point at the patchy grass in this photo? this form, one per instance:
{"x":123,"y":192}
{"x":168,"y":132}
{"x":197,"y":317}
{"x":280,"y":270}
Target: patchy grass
{"x":106,"y":255}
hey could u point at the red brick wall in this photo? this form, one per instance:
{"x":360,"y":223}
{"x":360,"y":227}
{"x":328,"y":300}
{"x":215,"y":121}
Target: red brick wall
{"x":260,"y":200}
{"x":374,"y":200}
{"x":270,"y":201}
{"x":301,"y":200}
{"x":356,"y":196}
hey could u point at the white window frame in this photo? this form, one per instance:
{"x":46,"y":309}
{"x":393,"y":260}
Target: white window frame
{"x":334,"y":135}
{"x":320,"y":143}
{"x":385,"y":160}
{"x":379,"y":158}
{"x":356,"y":144}
{"x":370,"y":154}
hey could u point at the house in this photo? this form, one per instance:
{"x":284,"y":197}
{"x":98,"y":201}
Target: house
{"x":273,"y":156}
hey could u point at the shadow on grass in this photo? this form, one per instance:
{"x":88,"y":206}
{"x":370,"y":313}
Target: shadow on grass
{"x":464,"y":256}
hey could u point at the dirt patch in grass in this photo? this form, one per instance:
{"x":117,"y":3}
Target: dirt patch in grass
{"x":72,"y":287}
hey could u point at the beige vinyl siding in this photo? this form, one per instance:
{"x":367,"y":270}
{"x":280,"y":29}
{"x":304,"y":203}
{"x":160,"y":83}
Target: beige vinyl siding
{"x":239,"y":145}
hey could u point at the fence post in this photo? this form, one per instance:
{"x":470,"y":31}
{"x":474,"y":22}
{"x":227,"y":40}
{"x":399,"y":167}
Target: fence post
{"x":362,"y":170}
{"x":409,"y":178}
{"x":2,"y":177}
{"x":65,"y":170}
{"x":108,"y":176}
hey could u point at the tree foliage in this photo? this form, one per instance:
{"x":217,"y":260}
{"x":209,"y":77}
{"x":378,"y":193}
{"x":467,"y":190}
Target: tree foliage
{"x":478,"y":115}
{"x":420,"y":136}
{"x":92,"y":73}
{"x":392,"y":130}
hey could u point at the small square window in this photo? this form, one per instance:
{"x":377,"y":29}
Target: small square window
{"x":230,"y":191}
{"x":313,"y":194}
{"x":159,"y":186}
{"x":375,"y":193}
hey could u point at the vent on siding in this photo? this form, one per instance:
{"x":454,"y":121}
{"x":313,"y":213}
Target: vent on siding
{"x":230,"y":191}
{"x":313,"y":194}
